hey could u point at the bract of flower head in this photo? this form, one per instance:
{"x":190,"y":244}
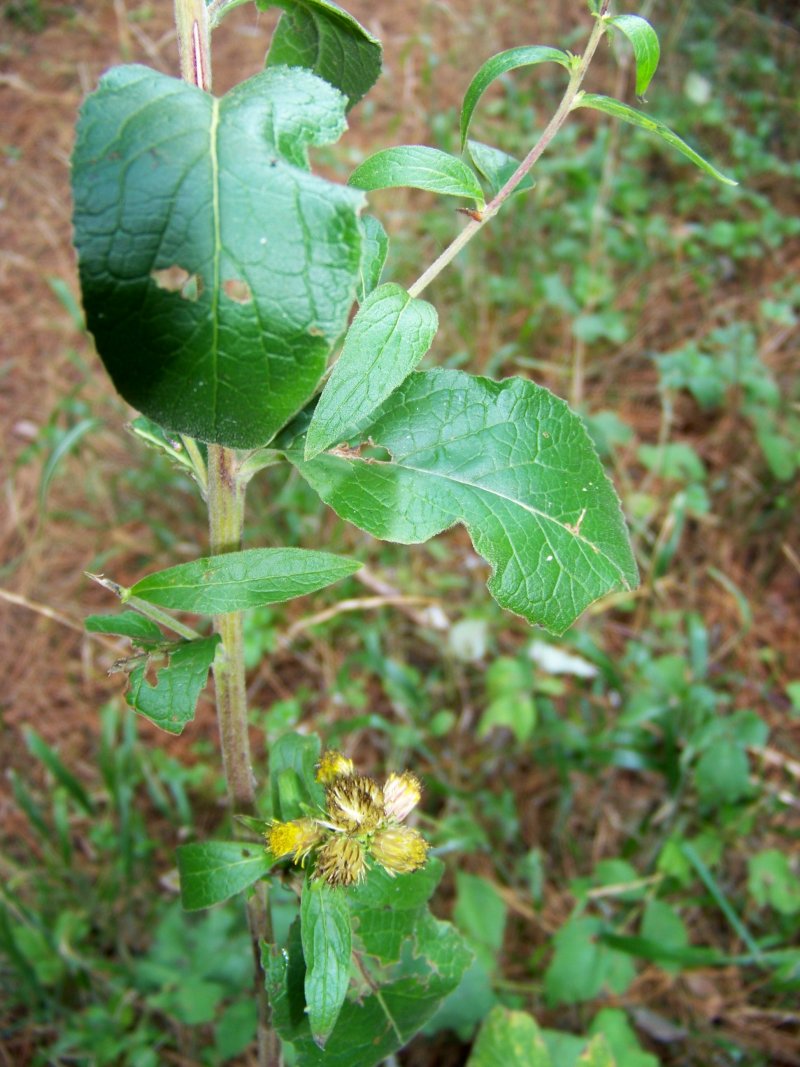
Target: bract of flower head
{"x":354,"y":805}
{"x":401,"y":793}
{"x":341,"y":861}
{"x":399,"y":849}
{"x":296,"y":838}
{"x":333,"y":765}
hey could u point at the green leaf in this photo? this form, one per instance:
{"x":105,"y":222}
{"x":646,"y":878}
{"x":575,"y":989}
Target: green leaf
{"x":637,"y":118}
{"x":598,"y":1054}
{"x":496,"y":167}
{"x":525,"y":56}
{"x":418,"y":167}
{"x":141,"y":630}
{"x":389,"y":336}
{"x":49,"y":757}
{"x":772,"y":883}
{"x":510,"y":461}
{"x":170,"y":703}
{"x":616,"y":1043}
{"x":327,"y":944}
{"x":213,"y":308}
{"x":515,"y":711}
{"x":509,"y":1039}
{"x":235,"y":581}
{"x":383,"y":1015}
{"x":213,"y":871}
{"x":381,"y":890}
{"x":325,"y":39}
{"x":662,"y":925}
{"x":293,"y":763}
{"x":582,"y":966}
{"x":375,"y":248}
{"x":646,"y":49}
{"x":480,"y":913}
{"x":723,"y":773}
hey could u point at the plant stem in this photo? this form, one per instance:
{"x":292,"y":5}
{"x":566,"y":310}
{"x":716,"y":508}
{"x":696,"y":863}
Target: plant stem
{"x":225,"y":494}
{"x":552,"y":128}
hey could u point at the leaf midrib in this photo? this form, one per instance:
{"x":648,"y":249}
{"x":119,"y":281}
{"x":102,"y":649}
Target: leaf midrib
{"x":502,"y":496}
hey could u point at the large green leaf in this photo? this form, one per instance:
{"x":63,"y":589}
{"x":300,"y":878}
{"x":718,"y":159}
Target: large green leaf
{"x":510,"y":461}
{"x":415,"y":166}
{"x":235,"y":581}
{"x":524,"y":56}
{"x":509,"y":1039}
{"x":325,"y":39}
{"x":217,"y":273}
{"x":213,"y":871}
{"x":646,"y":49}
{"x":637,"y":118}
{"x":388,"y":337}
{"x":170,"y":703}
{"x":382,"y":1016}
{"x":327,"y":943}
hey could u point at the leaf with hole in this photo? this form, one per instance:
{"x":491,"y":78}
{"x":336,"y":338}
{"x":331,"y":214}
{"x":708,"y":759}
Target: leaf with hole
{"x":235,"y":581}
{"x":492,"y":69}
{"x":388,"y":337}
{"x":180,"y":678}
{"x":418,"y":167}
{"x":510,"y":461}
{"x":217,"y":272}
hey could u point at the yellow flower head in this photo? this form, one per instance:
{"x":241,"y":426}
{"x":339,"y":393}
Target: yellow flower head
{"x":333,"y":765}
{"x":296,"y":838}
{"x":354,"y":804}
{"x":399,"y":849}
{"x":400,"y":794}
{"x":341,"y":861}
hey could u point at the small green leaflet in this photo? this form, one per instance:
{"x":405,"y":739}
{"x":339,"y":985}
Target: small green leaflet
{"x":388,"y":337}
{"x":212,"y":308}
{"x":646,"y":49}
{"x":327,"y":943}
{"x":636,"y":118}
{"x":213,"y":871}
{"x":418,"y":167}
{"x":373,"y":257}
{"x":141,"y":630}
{"x":509,"y":1039}
{"x":525,"y":56}
{"x":170,"y":703}
{"x":510,"y":461}
{"x":325,"y":39}
{"x":235,"y":581}
{"x":496,"y":167}
{"x":293,"y":775}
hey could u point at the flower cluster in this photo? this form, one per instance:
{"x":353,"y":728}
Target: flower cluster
{"x":360,"y":820}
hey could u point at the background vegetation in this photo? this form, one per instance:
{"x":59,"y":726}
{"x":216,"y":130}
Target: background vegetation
{"x":618,"y":810}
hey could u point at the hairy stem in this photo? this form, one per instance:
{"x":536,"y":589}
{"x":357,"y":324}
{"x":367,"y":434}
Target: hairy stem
{"x":552,"y":128}
{"x":225,"y":494}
